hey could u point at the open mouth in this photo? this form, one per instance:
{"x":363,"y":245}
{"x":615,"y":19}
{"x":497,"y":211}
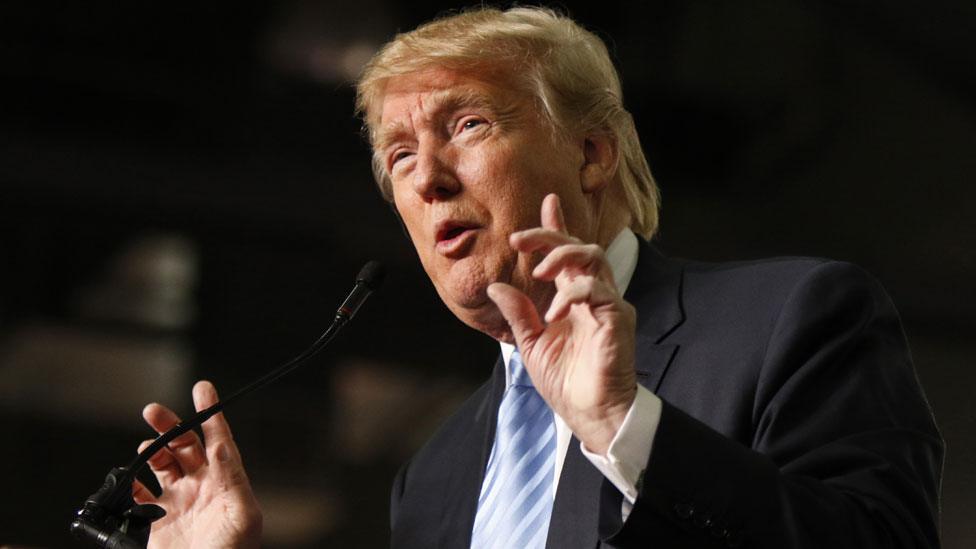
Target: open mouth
{"x":454,"y":239}
{"x":451,"y":231}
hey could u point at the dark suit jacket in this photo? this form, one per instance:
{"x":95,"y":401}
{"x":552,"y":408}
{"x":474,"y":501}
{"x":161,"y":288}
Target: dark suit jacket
{"x":792,"y":418}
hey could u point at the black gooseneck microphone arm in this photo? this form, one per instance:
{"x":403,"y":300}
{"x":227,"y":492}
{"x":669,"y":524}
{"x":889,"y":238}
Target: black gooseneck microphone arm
{"x":111,"y":519}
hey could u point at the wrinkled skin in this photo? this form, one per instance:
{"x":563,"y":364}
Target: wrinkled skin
{"x":206,"y":493}
{"x":468,"y":152}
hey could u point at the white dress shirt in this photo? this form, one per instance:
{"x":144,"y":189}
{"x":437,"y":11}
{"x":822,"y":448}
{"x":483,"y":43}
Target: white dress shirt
{"x":628,"y":452}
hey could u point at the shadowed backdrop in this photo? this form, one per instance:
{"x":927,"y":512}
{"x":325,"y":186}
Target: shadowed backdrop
{"x":185,"y":193}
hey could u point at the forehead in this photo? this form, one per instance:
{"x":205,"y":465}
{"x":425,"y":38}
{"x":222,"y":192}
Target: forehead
{"x":432,"y":91}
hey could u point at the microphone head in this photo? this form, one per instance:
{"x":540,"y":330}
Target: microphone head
{"x":371,"y":275}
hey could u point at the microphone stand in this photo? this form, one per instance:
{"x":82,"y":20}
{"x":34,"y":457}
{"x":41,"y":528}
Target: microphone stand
{"x":110,"y":517}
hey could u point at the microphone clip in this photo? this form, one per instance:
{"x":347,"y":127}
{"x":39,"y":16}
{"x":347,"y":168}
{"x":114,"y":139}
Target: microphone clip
{"x":110,"y":518}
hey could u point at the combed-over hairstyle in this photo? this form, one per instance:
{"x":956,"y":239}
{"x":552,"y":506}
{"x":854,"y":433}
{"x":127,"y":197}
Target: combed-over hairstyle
{"x":566,"y":68}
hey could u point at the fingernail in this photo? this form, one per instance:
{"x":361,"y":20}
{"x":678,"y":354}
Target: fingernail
{"x":223,"y":454}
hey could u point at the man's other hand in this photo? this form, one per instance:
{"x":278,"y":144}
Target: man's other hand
{"x":206,"y":493}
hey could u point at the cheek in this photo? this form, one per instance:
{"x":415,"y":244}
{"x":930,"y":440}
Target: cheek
{"x":408,"y":214}
{"x":499,"y":180}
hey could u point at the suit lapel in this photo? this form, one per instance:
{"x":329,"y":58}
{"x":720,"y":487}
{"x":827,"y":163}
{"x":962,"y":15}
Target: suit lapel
{"x":652,"y":361}
{"x":655,"y":291}
{"x":467,"y":472}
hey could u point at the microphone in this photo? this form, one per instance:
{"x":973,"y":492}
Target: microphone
{"x":110,"y":518}
{"x":369,"y":278}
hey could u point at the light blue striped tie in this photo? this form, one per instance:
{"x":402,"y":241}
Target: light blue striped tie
{"x":516,"y":496}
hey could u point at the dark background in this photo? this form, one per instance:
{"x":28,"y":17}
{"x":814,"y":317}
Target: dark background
{"x":184,"y":193}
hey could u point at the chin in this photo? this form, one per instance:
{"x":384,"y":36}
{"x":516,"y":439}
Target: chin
{"x":466,"y":296}
{"x":488,"y":320}
{"x":464,"y":288}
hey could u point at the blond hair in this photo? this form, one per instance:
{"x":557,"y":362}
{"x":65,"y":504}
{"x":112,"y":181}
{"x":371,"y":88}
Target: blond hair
{"x":566,"y":68}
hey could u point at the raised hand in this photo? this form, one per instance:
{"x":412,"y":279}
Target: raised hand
{"x":580,"y":355}
{"x":206,"y":493}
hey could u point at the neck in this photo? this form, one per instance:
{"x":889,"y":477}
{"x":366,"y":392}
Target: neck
{"x":611,"y":215}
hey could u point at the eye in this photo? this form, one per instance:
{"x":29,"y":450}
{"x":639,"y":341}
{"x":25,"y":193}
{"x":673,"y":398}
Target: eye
{"x":399,"y":155}
{"x":470,"y":123}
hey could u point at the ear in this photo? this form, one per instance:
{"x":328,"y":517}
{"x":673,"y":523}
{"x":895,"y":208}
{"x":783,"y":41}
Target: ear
{"x":600,"y":158}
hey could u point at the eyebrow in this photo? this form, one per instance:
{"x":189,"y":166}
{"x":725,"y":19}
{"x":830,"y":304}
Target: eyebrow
{"x":442,"y":101}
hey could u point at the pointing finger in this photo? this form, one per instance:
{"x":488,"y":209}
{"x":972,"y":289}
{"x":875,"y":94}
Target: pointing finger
{"x":552,"y":214}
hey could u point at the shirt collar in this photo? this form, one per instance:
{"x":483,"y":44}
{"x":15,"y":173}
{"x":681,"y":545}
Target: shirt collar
{"x":622,"y":256}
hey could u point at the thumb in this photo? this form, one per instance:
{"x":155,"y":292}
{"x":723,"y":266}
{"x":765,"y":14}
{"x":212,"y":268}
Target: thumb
{"x":519,"y":312}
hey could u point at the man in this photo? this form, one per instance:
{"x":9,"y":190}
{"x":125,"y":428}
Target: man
{"x":639,"y":401}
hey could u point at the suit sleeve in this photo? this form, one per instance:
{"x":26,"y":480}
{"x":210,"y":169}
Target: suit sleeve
{"x":844,"y":450}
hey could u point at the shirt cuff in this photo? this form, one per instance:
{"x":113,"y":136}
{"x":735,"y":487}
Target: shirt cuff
{"x":626,"y":457}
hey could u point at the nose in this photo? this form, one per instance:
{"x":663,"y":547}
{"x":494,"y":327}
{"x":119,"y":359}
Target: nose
{"x":434,"y":177}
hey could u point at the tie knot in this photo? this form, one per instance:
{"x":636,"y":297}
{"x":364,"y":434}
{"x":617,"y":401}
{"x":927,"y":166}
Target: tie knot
{"x":520,"y":377}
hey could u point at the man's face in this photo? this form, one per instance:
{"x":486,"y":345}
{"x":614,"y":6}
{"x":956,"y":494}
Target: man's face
{"x":470,"y":162}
